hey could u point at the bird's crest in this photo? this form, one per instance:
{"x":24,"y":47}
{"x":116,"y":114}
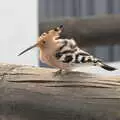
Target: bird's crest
{"x":51,"y":34}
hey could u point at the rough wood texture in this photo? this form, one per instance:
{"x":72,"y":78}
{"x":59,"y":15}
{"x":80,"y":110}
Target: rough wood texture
{"x":31,"y":93}
{"x":90,"y":31}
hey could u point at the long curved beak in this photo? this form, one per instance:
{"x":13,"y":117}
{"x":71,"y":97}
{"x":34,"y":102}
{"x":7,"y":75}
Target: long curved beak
{"x":29,"y":48}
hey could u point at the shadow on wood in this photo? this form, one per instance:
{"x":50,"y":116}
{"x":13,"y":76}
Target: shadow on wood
{"x":31,"y":93}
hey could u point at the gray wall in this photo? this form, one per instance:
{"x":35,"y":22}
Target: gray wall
{"x":61,"y":8}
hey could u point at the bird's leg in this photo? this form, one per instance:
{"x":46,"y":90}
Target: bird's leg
{"x":58,"y":72}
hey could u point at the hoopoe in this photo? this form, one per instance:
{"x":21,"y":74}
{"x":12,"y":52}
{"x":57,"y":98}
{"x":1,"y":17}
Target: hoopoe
{"x":63,"y":53}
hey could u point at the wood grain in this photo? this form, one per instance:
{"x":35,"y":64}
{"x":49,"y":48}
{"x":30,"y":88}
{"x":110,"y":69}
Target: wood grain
{"x":31,"y":93}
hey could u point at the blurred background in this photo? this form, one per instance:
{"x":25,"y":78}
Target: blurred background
{"x":20,"y":19}
{"x":18,"y":30}
{"x":53,"y":9}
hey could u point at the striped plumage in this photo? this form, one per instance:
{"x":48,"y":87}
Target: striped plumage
{"x":64,"y":53}
{"x":70,"y":53}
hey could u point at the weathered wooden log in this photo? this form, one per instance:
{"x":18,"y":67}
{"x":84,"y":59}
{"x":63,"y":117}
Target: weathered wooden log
{"x":91,"y":31}
{"x":31,"y":93}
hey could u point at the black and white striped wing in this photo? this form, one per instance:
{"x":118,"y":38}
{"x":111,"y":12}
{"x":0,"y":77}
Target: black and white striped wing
{"x":69,"y":52}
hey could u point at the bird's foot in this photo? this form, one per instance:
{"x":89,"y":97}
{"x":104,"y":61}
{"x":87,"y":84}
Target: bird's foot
{"x":61,"y":72}
{"x":57,"y":73}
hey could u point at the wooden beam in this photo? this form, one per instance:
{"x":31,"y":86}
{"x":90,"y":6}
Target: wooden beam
{"x":91,"y":31}
{"x":31,"y":93}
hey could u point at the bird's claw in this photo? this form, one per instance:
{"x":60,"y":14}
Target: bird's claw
{"x":59,"y":72}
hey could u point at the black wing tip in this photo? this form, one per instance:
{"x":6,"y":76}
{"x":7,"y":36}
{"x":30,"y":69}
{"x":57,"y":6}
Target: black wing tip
{"x":109,"y":68}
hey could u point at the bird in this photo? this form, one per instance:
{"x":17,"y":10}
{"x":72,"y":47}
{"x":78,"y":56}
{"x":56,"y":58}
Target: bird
{"x":64,"y":53}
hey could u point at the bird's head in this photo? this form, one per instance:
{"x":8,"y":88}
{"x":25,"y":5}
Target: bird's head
{"x":46,"y":39}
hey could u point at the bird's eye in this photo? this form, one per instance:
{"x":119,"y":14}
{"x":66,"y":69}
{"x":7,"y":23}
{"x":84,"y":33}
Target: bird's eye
{"x":56,"y":29}
{"x":44,"y":34}
{"x":44,"y":41}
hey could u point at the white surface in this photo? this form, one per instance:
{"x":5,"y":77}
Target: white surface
{"x":100,"y":71}
{"x":18,"y":30}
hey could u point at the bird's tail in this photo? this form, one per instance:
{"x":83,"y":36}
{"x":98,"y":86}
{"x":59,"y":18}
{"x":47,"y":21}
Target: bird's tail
{"x":106,"y":67}
{"x":97,"y":62}
{"x":103,"y":65}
